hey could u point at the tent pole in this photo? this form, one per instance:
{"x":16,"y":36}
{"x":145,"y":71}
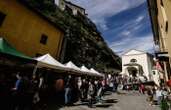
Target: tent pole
{"x":35,"y":70}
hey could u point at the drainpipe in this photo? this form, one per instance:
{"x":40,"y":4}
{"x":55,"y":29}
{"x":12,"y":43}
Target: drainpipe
{"x":64,"y":45}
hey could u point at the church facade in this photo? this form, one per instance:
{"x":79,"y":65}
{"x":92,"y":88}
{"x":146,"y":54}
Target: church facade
{"x":138,"y":64}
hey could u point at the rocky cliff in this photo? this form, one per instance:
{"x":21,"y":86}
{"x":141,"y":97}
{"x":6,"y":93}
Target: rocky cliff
{"x":83,"y":42}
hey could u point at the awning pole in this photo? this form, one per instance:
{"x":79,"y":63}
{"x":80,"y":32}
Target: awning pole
{"x":35,"y":70}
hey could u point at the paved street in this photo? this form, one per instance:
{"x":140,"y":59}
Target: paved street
{"x":123,"y":101}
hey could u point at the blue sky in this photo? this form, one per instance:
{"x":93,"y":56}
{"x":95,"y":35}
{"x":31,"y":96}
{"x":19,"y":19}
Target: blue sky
{"x":124,"y":24}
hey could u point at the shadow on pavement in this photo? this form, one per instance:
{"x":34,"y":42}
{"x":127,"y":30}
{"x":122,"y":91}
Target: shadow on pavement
{"x":110,"y":101}
{"x":105,"y":103}
{"x":107,"y":93}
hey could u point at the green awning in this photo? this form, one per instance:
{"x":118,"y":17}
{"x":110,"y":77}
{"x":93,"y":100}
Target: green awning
{"x":6,"y":48}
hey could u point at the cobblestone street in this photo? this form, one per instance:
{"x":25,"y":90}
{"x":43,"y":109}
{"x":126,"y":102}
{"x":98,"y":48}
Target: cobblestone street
{"x":123,"y":101}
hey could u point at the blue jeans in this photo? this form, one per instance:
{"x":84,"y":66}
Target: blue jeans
{"x":67,"y":95}
{"x":114,"y":88}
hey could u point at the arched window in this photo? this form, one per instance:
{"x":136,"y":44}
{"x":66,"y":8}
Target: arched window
{"x":133,"y":60}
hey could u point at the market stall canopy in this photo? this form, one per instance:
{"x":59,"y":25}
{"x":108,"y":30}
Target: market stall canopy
{"x":96,"y":72}
{"x":70,"y":65}
{"x":49,"y":62}
{"x":86,"y":70}
{"x":7,"y":49}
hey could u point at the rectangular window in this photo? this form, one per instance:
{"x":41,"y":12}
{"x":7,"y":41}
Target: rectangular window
{"x":166,"y":27}
{"x":2,"y":17}
{"x":44,"y":39}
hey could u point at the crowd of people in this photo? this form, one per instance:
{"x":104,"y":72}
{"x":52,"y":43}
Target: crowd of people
{"x":158,"y":95}
{"x":23,"y":91}
{"x":19,"y":91}
{"x":122,"y":82}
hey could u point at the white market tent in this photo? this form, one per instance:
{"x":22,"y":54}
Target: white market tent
{"x":87,"y":71}
{"x":71,"y":66}
{"x":49,"y":62}
{"x":95,"y":72}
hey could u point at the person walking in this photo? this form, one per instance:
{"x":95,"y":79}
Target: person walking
{"x":150,"y":95}
{"x":164,"y":104}
{"x":142,"y":88}
{"x":22,"y":88}
{"x":68,"y":91}
{"x":159,"y":95}
{"x":91,"y":91}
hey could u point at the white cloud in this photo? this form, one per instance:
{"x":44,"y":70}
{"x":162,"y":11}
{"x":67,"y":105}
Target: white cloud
{"x":98,"y":10}
{"x":102,"y":24}
{"x":144,"y":43}
{"x":139,"y":18}
{"x":130,"y":26}
{"x":126,"y":33}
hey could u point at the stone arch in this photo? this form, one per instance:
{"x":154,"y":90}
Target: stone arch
{"x":136,"y":68}
{"x":132,"y":71}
